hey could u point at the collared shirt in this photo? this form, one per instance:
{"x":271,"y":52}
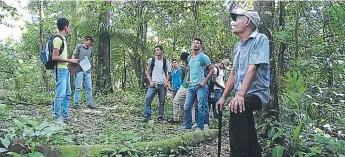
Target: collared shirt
{"x":255,"y":50}
{"x":176,"y":77}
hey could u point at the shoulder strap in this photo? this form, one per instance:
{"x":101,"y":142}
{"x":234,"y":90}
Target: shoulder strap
{"x":217,"y":70}
{"x":62,"y":45}
{"x":153,"y":59}
{"x":165,"y":65}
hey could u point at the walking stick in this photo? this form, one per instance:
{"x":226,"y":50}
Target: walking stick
{"x":219,"y":130}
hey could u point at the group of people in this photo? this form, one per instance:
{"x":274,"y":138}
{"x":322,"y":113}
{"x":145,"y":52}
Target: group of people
{"x":197,"y":84}
{"x":62,"y":74}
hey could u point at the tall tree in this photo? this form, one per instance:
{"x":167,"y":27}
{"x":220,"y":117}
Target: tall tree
{"x":40,"y":47}
{"x":266,"y":10}
{"x":281,"y":27}
{"x":103,"y":83}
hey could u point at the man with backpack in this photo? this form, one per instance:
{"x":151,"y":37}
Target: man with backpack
{"x":158,"y":74}
{"x":250,"y":78}
{"x":197,"y":80}
{"x":216,"y":88}
{"x":63,"y":87}
{"x":80,"y":52}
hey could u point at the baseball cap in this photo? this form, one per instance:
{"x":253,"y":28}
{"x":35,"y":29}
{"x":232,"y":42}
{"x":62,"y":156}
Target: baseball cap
{"x":226,"y":62}
{"x":251,"y":14}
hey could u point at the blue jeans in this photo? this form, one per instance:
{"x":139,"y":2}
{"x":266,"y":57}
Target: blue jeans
{"x":199,"y":93}
{"x":151,"y":92}
{"x":217,"y":95}
{"x":79,"y":78}
{"x":62,"y":92}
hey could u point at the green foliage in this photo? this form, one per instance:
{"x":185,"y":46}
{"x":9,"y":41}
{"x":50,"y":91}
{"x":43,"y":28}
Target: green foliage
{"x":296,"y":133}
{"x":4,"y":111}
{"x":277,"y":151}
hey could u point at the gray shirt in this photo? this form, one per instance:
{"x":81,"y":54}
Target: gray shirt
{"x":80,"y":51}
{"x":253,"y":51}
{"x":158,"y":75}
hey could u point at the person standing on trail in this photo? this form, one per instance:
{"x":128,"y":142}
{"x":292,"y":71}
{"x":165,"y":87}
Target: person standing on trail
{"x":216,"y":87}
{"x":250,"y":78}
{"x":176,"y":78}
{"x":81,"y":51}
{"x":197,"y":80}
{"x":63,"y":86}
{"x":180,"y":97}
{"x":158,"y":74}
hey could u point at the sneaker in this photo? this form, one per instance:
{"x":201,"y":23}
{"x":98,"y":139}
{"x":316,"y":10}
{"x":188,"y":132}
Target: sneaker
{"x":76,"y":106}
{"x":145,"y":120}
{"x":173,"y":121}
{"x":59,"y":121}
{"x":198,"y":129}
{"x":160,"y":119}
{"x":186,"y":128}
{"x":67,"y":119}
{"x":92,"y":107}
{"x":206,"y":127}
{"x":194,"y":126}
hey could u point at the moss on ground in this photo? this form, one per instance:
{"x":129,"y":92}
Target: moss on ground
{"x":95,"y":150}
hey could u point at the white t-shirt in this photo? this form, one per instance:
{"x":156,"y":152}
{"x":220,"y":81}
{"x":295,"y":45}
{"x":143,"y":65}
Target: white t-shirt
{"x":220,"y":78}
{"x":158,"y":76}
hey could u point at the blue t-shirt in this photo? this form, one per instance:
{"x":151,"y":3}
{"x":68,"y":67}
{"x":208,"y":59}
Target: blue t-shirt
{"x":176,"y":78}
{"x":255,"y":50}
{"x":197,"y":69}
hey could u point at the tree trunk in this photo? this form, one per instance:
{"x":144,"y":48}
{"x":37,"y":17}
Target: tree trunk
{"x":137,"y":58}
{"x":196,"y":18}
{"x":124,"y":73}
{"x":271,"y":110}
{"x":296,"y":29}
{"x":74,"y":36}
{"x":103,"y":83}
{"x":43,"y":70}
{"x":282,"y":47}
{"x":266,"y":9}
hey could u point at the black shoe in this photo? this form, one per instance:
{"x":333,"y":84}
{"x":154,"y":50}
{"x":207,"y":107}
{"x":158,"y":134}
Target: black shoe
{"x":76,"y":106}
{"x":172,"y":121}
{"x":92,"y":107}
{"x":160,"y":119}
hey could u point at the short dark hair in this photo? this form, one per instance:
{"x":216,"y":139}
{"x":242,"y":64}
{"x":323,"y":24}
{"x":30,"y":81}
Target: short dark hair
{"x":62,"y":23}
{"x":89,"y":38}
{"x":184,"y":56}
{"x":174,"y":60}
{"x":198,"y":39}
{"x":160,"y":47}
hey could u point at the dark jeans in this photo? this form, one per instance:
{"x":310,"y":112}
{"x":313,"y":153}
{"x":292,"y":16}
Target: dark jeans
{"x":243,"y":138}
{"x":150,"y":94}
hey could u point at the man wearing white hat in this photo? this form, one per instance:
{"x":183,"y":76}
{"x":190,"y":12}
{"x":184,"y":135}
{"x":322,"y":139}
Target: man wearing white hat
{"x":250,"y":78}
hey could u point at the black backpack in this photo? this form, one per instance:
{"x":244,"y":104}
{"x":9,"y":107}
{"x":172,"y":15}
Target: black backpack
{"x":153,"y":65}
